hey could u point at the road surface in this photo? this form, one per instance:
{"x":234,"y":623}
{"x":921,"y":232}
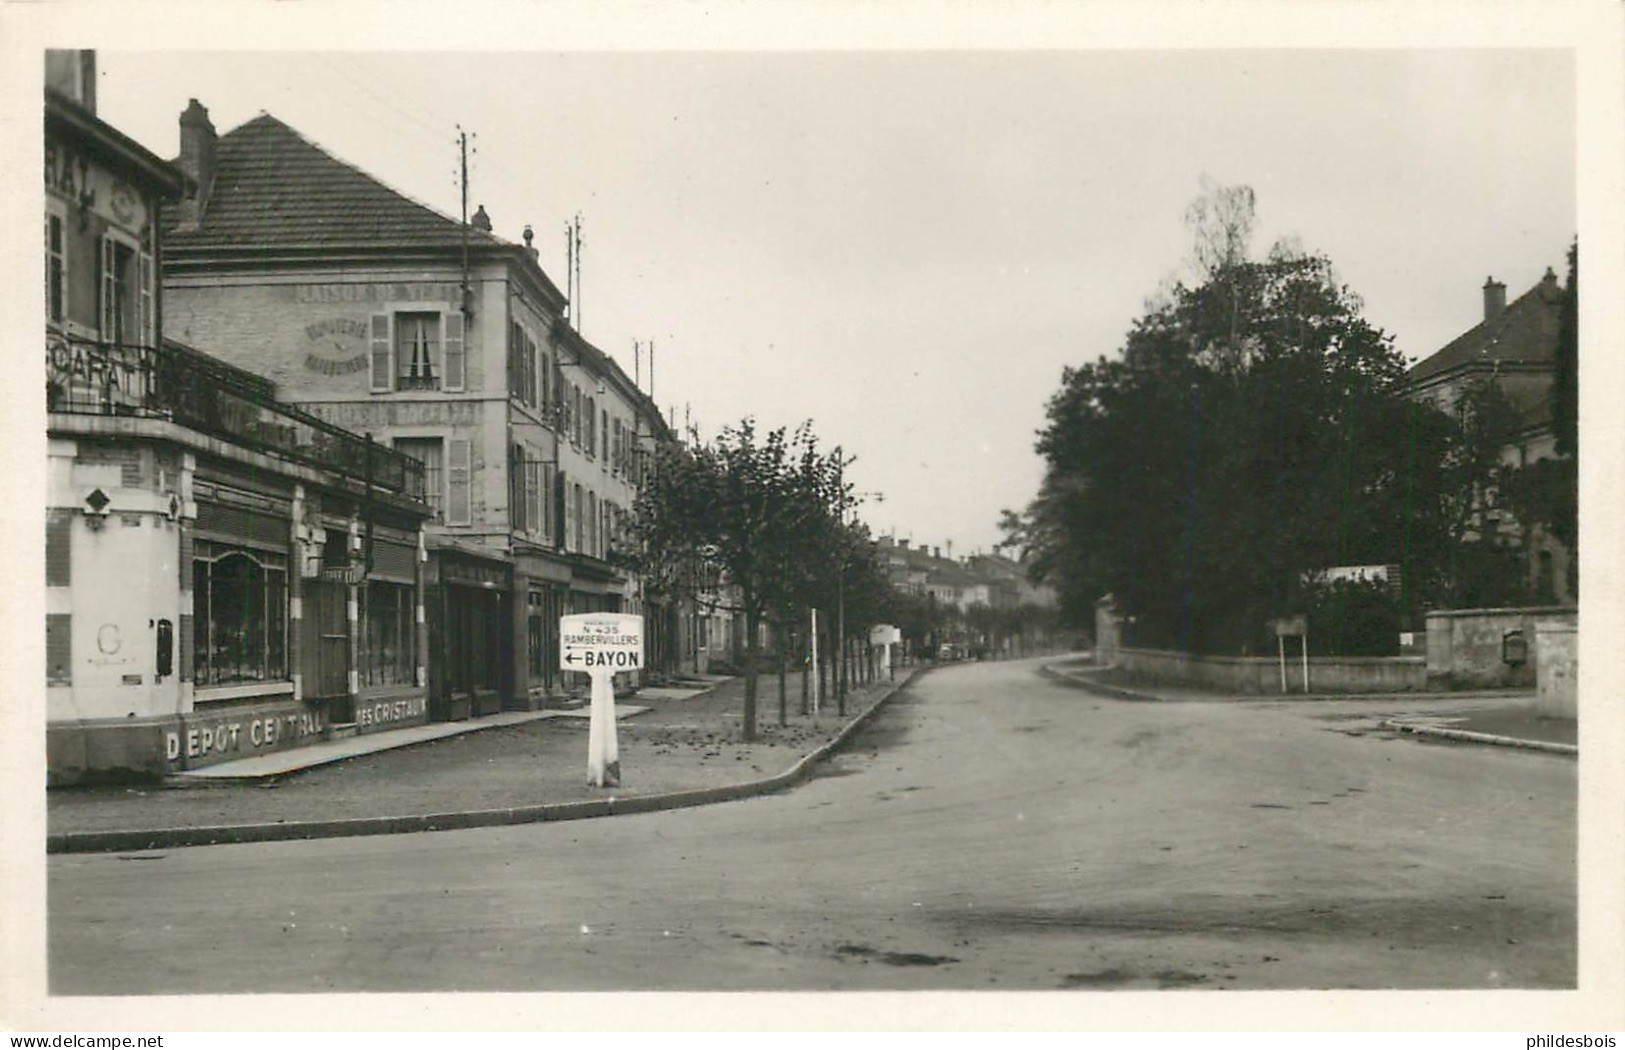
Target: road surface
{"x":992,"y":830}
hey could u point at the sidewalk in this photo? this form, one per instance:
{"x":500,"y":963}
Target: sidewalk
{"x":1494,"y":716}
{"x":677,"y":747}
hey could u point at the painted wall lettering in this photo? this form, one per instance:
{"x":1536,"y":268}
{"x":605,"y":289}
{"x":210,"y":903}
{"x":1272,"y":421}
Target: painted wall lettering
{"x":378,"y":292}
{"x":223,"y":737}
{"x":390,"y":711}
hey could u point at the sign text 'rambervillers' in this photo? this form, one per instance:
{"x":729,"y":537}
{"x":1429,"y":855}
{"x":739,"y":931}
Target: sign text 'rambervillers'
{"x":601,"y":642}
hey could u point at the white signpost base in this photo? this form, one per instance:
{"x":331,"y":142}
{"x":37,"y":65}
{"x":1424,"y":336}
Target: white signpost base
{"x":601,"y":644}
{"x":603,"y":754}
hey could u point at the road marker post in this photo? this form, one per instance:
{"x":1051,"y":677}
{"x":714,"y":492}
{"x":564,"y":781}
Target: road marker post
{"x":601,"y":645}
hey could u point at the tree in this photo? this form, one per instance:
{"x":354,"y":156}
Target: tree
{"x":1253,"y":430}
{"x":748,"y":504}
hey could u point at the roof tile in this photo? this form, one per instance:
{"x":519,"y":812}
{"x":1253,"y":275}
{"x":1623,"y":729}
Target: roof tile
{"x":274,"y":188}
{"x":1525,"y":332}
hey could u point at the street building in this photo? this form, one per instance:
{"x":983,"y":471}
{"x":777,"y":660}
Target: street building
{"x":447,"y":344}
{"x":1514,"y":346}
{"x":226,"y":575}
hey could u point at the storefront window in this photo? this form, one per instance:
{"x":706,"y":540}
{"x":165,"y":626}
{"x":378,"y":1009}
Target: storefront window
{"x":240,"y":606}
{"x":388,"y":656}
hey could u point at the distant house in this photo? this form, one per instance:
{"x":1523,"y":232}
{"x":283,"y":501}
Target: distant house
{"x":1513,"y":346}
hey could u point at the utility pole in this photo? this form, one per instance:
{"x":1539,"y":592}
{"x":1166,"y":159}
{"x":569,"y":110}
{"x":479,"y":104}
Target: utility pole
{"x":462,"y":152}
{"x":840,"y":580}
{"x":814,"y":671}
{"x":576,"y":312}
{"x":570,"y":274}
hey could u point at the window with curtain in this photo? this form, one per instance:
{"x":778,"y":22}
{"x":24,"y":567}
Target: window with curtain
{"x":417,"y":351}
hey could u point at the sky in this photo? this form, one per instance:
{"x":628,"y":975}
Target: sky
{"x":907,"y":247}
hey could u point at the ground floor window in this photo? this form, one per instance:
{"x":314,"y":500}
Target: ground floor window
{"x":240,"y":612}
{"x":389,"y":649}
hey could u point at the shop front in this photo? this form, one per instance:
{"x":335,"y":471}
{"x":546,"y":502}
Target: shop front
{"x":470,"y":635}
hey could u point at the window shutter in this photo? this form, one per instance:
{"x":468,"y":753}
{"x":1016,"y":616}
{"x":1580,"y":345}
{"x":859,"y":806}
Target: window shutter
{"x":109,"y":288}
{"x":454,"y":350}
{"x":550,"y":499}
{"x":530,"y":372}
{"x":148,"y":336}
{"x":516,"y":488}
{"x":459,"y":472}
{"x":571,"y":532}
{"x":533,"y":494}
{"x":382,"y":366}
{"x":513,"y":358}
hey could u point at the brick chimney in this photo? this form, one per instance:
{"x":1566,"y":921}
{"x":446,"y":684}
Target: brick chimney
{"x":197,"y":161}
{"x":72,"y":73}
{"x":1495,"y":298}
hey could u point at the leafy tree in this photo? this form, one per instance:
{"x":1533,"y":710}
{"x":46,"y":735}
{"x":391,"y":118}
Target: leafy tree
{"x":763,"y":510}
{"x":1254,"y":429}
{"x":1353,"y":618}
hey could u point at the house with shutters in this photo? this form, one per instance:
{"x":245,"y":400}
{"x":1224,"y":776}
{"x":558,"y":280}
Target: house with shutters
{"x":1513,"y":346}
{"x":441,"y":341}
{"x":225,"y":574}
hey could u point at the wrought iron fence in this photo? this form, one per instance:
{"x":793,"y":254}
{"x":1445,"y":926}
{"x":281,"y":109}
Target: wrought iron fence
{"x":90,"y":376}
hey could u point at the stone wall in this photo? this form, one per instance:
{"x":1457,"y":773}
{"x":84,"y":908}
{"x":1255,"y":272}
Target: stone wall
{"x":1557,"y":651}
{"x":1262,"y":675}
{"x":1465,"y":647}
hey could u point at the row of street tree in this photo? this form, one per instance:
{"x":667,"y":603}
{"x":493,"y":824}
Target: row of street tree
{"x":769,"y":520}
{"x":1256,"y":429}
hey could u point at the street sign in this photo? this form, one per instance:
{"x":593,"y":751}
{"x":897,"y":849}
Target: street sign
{"x":592,"y":642}
{"x":1290,"y":626}
{"x":601,"y":644}
{"x":884,"y":634}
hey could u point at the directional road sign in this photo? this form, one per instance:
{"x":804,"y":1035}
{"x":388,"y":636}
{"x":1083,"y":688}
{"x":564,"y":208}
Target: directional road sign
{"x":599,"y":642}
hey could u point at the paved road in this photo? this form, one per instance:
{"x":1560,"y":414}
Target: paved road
{"x":993,"y":830}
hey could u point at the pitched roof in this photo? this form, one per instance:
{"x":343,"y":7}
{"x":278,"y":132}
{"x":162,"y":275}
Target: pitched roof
{"x":275,"y":188}
{"x":1525,"y":332}
{"x":65,"y":116}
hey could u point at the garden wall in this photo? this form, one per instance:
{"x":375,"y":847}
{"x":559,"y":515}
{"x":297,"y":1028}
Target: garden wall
{"x":1465,"y":646}
{"x":1262,"y":676}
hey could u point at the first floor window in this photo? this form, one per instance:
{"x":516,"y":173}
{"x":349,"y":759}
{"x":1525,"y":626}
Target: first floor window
{"x":429,"y":452}
{"x":240,"y":611}
{"x":533,"y":495}
{"x":417,"y":351}
{"x":389,"y":656}
{"x":126,"y":293}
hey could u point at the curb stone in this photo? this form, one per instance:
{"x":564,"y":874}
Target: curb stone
{"x":1468,"y":736}
{"x":1082,"y":681}
{"x":282,"y":831}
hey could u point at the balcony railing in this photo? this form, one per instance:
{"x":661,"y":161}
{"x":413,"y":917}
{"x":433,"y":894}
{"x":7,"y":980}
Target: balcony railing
{"x":89,"y":376}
